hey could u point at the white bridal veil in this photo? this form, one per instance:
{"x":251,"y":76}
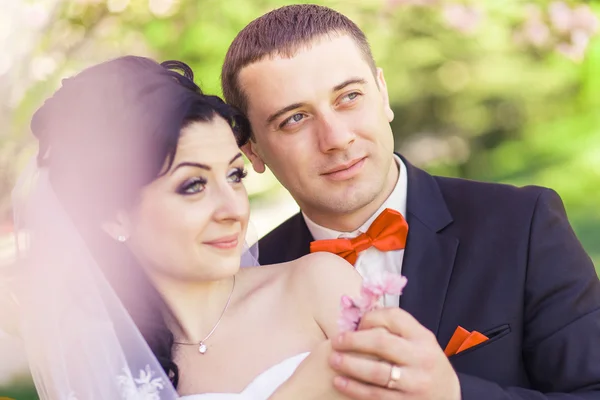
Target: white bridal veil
{"x":80,"y":342}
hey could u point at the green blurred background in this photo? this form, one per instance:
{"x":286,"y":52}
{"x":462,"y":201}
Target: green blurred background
{"x":503,"y":91}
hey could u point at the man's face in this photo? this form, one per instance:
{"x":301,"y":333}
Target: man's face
{"x":321,"y":123}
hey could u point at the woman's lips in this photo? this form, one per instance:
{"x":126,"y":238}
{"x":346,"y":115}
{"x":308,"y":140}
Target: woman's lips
{"x":225,"y":242}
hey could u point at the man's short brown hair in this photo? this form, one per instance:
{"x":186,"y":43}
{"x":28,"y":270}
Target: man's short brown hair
{"x":283,"y":32}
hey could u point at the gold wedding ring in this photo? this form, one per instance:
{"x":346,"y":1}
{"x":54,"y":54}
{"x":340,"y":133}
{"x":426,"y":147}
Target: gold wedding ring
{"x":395,"y":374}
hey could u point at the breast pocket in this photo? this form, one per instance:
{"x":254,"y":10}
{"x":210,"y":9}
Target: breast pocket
{"x":493,"y":336}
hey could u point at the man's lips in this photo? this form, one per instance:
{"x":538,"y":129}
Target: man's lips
{"x":225,"y":242}
{"x":346,"y":170}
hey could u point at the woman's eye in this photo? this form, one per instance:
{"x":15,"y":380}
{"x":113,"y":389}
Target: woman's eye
{"x":292,"y":120}
{"x":192,"y":186}
{"x":237,"y":175}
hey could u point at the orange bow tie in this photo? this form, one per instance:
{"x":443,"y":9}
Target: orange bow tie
{"x":387,"y":232}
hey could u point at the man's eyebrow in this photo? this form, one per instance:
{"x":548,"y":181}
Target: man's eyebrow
{"x":291,"y":107}
{"x":349,"y":82}
{"x":285,"y":109}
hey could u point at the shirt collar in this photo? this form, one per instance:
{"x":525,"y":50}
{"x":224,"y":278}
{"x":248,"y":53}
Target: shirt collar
{"x":395,"y":201}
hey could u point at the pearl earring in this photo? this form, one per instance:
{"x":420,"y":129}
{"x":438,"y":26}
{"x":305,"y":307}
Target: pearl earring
{"x":121,"y":238}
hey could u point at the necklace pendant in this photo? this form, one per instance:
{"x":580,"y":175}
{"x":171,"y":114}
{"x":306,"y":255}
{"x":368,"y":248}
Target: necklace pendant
{"x":202,"y":348}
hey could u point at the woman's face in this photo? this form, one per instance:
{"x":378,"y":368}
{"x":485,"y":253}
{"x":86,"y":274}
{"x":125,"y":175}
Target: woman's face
{"x":190,"y":223}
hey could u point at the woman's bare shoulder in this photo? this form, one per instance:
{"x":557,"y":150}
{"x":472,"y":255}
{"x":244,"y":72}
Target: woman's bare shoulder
{"x":320,"y":280}
{"x":270,"y":277}
{"x":318,"y":269}
{"x":316,"y":283}
{"x":315,"y":273}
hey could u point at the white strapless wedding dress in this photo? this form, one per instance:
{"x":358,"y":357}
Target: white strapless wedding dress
{"x":262,"y":386}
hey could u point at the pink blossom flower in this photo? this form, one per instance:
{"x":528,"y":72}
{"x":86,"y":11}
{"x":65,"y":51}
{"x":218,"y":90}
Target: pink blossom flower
{"x":350,"y":316}
{"x":567,"y":30}
{"x":537,"y":33}
{"x":575,"y":49}
{"x":372,"y":291}
{"x":534,"y":31}
{"x":566,"y":20}
{"x":463,"y":18}
{"x":575,"y":27}
{"x":561,"y":16}
{"x":386,"y":283}
{"x":421,"y":3}
{"x":585,"y":19}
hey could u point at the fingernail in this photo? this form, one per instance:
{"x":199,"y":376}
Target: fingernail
{"x":340,"y":339}
{"x":340,"y":381}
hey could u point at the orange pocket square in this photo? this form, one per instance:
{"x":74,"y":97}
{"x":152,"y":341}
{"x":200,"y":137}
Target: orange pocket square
{"x":462,"y":340}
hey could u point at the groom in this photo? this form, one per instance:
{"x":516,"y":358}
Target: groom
{"x":502,"y":301}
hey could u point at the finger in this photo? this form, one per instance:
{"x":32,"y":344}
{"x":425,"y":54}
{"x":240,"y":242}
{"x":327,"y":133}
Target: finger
{"x":395,"y":320}
{"x":361,"y":391}
{"x":377,"y":342}
{"x":367,"y":370}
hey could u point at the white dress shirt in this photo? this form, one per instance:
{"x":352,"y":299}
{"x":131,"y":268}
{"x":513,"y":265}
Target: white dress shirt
{"x":373,"y":262}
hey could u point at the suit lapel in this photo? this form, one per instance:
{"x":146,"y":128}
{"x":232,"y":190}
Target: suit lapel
{"x":301,"y":237}
{"x":430,"y":253}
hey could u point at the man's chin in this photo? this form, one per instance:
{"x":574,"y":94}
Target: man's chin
{"x":349,"y":202}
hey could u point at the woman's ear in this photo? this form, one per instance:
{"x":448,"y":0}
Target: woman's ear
{"x":118,"y":228}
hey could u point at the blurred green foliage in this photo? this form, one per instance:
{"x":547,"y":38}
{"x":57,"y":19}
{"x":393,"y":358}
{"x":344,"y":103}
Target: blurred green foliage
{"x":471,"y":104}
{"x":20,"y":388}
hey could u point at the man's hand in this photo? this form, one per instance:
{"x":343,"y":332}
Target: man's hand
{"x":392,"y":356}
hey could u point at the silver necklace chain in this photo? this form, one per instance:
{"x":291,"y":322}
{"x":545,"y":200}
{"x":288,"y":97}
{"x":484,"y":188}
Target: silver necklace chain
{"x":202,"y":348}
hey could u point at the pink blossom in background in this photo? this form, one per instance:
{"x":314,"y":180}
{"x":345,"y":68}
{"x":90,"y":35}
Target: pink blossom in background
{"x":463,"y":18}
{"x":422,"y":3}
{"x":534,"y":31}
{"x":585,"y":19}
{"x":577,"y":25}
{"x":560,"y":26}
{"x":567,"y":30}
{"x":560,"y":15}
{"x":566,"y":20}
{"x":372,"y":291}
{"x":575,"y":49}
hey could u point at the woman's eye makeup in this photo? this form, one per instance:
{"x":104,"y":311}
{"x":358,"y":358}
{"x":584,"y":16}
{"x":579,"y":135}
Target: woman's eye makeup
{"x":198,"y":184}
{"x":192,"y":186}
{"x":236,"y":175}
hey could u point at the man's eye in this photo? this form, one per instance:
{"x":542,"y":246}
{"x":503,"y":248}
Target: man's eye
{"x":350,"y":97}
{"x":292,"y":120}
{"x":192,"y":186}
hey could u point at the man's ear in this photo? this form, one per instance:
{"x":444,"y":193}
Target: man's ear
{"x":251,"y":151}
{"x":118,"y":227}
{"x":384,"y":95}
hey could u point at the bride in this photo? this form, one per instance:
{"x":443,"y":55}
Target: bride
{"x":129,"y":282}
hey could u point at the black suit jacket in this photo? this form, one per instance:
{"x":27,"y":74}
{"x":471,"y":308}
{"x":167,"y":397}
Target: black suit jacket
{"x":500,"y":260}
